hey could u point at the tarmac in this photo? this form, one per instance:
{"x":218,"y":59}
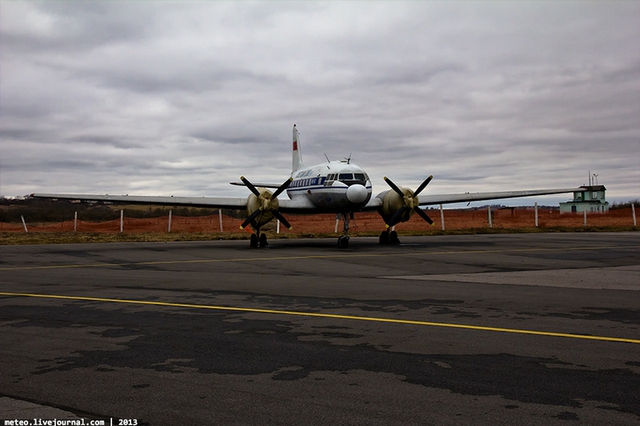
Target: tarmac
{"x":501,"y":329}
{"x":12,"y":408}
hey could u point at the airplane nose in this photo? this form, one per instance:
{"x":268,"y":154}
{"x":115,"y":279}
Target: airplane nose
{"x":356,"y":194}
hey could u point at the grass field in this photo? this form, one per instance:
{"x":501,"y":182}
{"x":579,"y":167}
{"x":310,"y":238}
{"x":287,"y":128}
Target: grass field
{"x":14,"y":238}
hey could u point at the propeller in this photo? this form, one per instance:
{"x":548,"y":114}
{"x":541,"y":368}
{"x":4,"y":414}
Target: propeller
{"x":410,"y":202}
{"x":268,"y":202}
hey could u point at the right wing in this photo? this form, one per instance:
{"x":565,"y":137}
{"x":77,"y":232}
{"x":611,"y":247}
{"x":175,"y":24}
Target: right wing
{"x":425,"y":200}
{"x":482,"y":196}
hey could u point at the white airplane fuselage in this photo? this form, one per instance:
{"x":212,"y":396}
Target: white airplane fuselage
{"x":332,"y":187}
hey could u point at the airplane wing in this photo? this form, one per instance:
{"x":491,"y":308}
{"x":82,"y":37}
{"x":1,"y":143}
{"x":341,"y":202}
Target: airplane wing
{"x":482,"y":196}
{"x":426,"y":200}
{"x":300,"y":205}
{"x":205,"y":202}
{"x":258,"y":184}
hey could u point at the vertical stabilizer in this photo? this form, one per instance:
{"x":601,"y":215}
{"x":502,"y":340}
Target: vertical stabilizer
{"x":296,"y":159}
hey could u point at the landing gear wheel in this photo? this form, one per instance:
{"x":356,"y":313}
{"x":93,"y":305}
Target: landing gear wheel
{"x":254,"y":241}
{"x":389,"y":237}
{"x":263,"y":241}
{"x":384,"y":237}
{"x":393,"y":238}
{"x":343,"y":241}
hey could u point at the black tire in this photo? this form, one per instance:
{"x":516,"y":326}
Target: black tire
{"x":384,"y":237}
{"x":254,"y":241}
{"x":393,"y":238}
{"x":343,"y":242}
{"x":263,"y":241}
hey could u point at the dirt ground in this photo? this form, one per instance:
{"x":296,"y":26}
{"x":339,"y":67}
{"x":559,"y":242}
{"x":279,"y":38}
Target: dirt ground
{"x":326,"y":223}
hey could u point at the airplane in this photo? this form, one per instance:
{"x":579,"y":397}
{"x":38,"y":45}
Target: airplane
{"x":339,"y":187}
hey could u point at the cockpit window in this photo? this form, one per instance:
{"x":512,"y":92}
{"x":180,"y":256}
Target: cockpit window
{"x":346,"y":177}
{"x":353,"y":178}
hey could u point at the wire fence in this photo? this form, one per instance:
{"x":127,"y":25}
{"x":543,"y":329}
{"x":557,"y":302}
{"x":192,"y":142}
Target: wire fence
{"x":328,"y":223}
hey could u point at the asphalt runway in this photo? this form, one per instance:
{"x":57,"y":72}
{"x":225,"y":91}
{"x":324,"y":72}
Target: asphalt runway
{"x":537,"y":329}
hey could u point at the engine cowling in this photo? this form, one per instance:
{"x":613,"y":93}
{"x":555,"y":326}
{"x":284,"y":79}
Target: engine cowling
{"x":392,"y":203}
{"x":265,"y":204}
{"x":400,"y":203}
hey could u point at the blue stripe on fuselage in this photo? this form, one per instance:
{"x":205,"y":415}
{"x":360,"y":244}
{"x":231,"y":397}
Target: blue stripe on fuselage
{"x":309,"y":182}
{"x":339,"y":189}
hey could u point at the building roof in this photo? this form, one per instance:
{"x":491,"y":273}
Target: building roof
{"x":593,"y":187}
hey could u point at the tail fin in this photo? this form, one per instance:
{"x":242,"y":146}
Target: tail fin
{"x":296,"y":159}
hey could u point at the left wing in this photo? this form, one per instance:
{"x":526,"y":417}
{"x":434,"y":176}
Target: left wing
{"x":258,"y":184}
{"x":299,"y":205}
{"x":206,"y":202}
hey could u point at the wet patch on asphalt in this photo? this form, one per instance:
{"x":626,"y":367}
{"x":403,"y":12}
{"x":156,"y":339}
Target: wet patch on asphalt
{"x":176,"y":343}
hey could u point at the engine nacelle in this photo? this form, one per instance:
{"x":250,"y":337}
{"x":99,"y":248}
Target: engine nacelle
{"x":268,"y":205}
{"x":392,"y":202}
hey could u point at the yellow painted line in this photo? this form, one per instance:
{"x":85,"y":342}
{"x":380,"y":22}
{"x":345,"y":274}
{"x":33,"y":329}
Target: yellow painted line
{"x":340,"y":255}
{"x":324,"y":315}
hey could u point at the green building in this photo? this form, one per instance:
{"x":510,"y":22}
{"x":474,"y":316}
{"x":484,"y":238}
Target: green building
{"x":591,"y":200}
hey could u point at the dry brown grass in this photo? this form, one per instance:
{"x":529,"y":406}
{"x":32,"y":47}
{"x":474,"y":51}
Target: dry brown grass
{"x":16,"y":238}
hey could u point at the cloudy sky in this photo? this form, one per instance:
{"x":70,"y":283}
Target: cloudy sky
{"x":179,"y":98}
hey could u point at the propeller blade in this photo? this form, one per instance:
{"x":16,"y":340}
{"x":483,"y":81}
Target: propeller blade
{"x":282,"y":220}
{"x":393,"y":186}
{"x":250,"y":218}
{"x":250,"y":186}
{"x":423,"y":215}
{"x":422,"y":186}
{"x":396,"y":217}
{"x":284,"y":186}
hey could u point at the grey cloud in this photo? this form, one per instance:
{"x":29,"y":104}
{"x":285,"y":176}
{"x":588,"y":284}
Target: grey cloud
{"x":493,"y":93}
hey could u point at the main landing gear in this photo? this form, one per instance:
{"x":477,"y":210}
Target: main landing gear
{"x":258,"y":240}
{"x":343,"y":240}
{"x":389,"y":237}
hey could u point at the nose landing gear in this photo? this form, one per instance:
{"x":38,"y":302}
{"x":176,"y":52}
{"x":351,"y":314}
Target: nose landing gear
{"x":343,"y":240}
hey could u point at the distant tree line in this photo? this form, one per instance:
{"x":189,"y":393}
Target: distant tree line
{"x":626,"y":205}
{"x":35,"y":210}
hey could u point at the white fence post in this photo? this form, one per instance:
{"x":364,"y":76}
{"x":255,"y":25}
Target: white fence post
{"x":75,"y":221}
{"x":170,"y":217}
{"x":121,"y":221}
{"x":490,"y":220}
{"x":633,"y":213}
{"x":24,"y":224}
{"x":535,"y":207}
{"x":220,"y":219}
{"x":442,"y":216}
{"x":585,"y":218}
